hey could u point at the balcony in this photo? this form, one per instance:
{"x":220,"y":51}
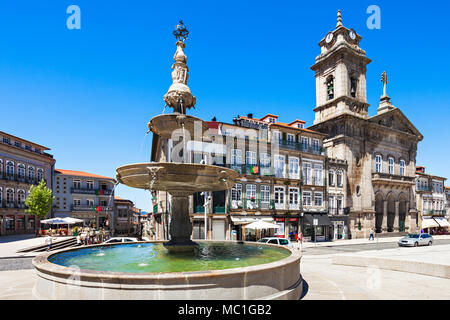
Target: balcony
{"x":284,"y":144}
{"x":391,"y":179}
{"x":19,"y":178}
{"x":335,"y":211}
{"x":90,"y":208}
{"x":98,"y":192}
{"x":441,"y":213}
{"x":424,"y":188}
{"x":249,"y":204}
{"x":13,"y":204}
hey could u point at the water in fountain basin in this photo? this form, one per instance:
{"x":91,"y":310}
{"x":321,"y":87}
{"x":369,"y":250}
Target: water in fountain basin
{"x":152,"y":257}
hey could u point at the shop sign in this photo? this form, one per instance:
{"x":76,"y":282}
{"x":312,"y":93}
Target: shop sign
{"x":293,"y":219}
{"x":279,"y":219}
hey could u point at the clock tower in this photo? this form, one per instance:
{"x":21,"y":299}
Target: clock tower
{"x":340,"y":72}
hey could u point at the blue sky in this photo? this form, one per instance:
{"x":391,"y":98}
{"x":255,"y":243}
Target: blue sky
{"x":88,"y":94}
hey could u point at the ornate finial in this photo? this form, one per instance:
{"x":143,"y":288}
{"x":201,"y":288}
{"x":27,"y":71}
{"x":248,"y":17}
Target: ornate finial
{"x":180,"y":32}
{"x":385,"y":81}
{"x":339,"y":19}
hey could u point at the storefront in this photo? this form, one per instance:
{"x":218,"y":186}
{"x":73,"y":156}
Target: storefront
{"x":339,"y":228}
{"x":316,"y":227}
{"x":429,"y":225}
{"x":288,"y":227}
{"x":239,"y":232}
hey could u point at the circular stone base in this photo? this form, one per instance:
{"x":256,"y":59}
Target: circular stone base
{"x":185,"y":246}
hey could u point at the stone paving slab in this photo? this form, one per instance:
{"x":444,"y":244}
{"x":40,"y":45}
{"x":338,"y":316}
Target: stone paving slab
{"x":428,"y":260}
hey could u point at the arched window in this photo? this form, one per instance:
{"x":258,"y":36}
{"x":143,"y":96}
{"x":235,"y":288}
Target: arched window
{"x":10,"y":196}
{"x":353,"y":84}
{"x":331,"y":177}
{"x":402,"y":167}
{"x":391,"y":165}
{"x":330,"y":87}
{"x":339,"y":178}
{"x":21,"y":170}
{"x":10,"y":168}
{"x":40,"y":174}
{"x":1,"y":166}
{"x":21,"y":196}
{"x":31,"y":173}
{"x":378,"y":163}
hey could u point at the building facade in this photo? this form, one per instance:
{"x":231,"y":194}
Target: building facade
{"x":431,"y":201}
{"x":380,"y":150}
{"x":84,"y":195}
{"x":22,"y":165}
{"x":123,"y":216}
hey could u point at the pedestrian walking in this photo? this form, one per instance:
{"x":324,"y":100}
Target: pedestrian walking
{"x":371,"y":235}
{"x":49,"y":241}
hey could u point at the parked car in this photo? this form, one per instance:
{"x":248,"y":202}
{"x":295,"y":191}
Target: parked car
{"x":275,"y":240}
{"x":416,"y":239}
{"x":121,"y":240}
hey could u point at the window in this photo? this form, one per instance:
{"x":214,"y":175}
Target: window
{"x":391,"y":165}
{"x":1,"y":166}
{"x":304,"y":142}
{"x":331,"y":177}
{"x":90,"y":202}
{"x":6,"y":140}
{"x":9,"y":168}
{"x":250,"y":192}
{"x":265,"y":193}
{"x":236,"y":157}
{"x":339,"y":204}
{"x":306,"y":173}
{"x":77,"y":202}
{"x":276,"y":136}
{"x":293,"y":168}
{"x":331,"y":205}
{"x":273,"y":241}
{"x":300,"y":125}
{"x":330,"y":88}
{"x":279,"y":166}
{"x":1,"y":194}
{"x":293,"y":198}
{"x":318,"y":199}
{"x":290,"y":138}
{"x":402,"y":167}
{"x":236,"y":192}
{"x":21,"y":197}
{"x":339,"y":178}
{"x":21,"y":170}
{"x":77,"y":184}
{"x":378,"y":163}
{"x":279,"y":197}
{"x":9,"y":196}
{"x":318,"y":175}
{"x":353,"y":83}
{"x":264,"y":160}
{"x":90,"y":185}
{"x":250,"y":158}
{"x":306,"y":198}
{"x":31,"y":173}
{"x":17,"y":144}
{"x":316,"y":145}
{"x":40,"y":174}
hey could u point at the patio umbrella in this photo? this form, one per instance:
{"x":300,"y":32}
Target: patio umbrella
{"x":54,"y":221}
{"x":70,"y":220}
{"x":261,"y":225}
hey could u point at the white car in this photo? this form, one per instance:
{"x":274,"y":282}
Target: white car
{"x":275,"y":240}
{"x":121,"y":240}
{"x":416,"y":239}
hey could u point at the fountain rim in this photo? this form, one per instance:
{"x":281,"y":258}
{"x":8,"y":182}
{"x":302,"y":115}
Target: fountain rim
{"x":42,"y":264}
{"x":173,"y":164}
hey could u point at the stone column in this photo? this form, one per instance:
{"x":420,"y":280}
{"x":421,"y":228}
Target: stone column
{"x":180,"y":228}
{"x":385,"y":216}
{"x":396,"y":218}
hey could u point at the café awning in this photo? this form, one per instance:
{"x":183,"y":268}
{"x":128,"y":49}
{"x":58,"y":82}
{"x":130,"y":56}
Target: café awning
{"x":246,"y":220}
{"x":429,"y":223}
{"x":321,"y":219}
{"x":442,"y":221}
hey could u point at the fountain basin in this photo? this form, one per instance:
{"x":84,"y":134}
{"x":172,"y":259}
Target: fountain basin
{"x":279,"y":279}
{"x":165,"y":124}
{"x":182,"y":177}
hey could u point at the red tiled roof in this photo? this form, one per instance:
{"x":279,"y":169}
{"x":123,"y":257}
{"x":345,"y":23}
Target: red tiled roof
{"x":269,"y":115}
{"x":81,"y":174}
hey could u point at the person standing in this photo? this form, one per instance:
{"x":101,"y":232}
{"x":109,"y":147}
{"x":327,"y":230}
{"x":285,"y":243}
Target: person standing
{"x":49,"y":242}
{"x":78,"y":240}
{"x":371,"y":235}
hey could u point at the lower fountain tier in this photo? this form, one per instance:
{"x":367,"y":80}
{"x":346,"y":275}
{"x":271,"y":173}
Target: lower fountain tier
{"x":186,"y":178}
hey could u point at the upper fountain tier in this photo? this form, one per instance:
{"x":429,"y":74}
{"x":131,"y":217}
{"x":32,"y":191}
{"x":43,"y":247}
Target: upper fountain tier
{"x":179,"y":96}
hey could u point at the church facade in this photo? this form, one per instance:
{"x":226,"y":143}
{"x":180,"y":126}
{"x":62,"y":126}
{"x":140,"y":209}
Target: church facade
{"x":380,"y":150}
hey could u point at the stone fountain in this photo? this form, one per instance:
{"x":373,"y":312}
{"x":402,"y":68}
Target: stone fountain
{"x":179,"y":268}
{"x":180,"y":180}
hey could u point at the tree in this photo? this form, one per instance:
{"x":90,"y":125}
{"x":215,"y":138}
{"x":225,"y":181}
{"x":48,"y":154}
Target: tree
{"x":39,"y":200}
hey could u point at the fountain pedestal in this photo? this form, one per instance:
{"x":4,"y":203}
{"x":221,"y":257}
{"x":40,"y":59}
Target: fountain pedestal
{"x":180,"y":226}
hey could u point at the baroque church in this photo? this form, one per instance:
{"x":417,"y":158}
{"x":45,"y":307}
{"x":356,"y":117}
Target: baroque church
{"x":380,"y":150}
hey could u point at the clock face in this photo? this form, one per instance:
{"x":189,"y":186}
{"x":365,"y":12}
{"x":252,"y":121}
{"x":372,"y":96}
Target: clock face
{"x":329,"y":37}
{"x":352,"y":34}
